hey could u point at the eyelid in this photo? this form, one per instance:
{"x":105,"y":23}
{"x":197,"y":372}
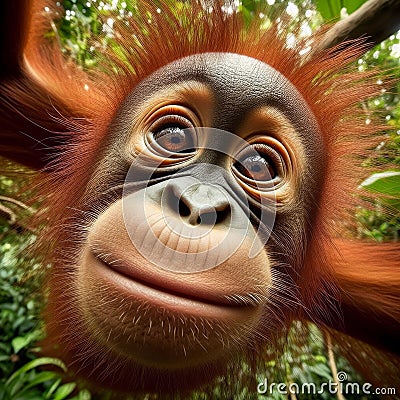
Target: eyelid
{"x":176,"y":120}
{"x":261,"y":149}
{"x":171,"y":110}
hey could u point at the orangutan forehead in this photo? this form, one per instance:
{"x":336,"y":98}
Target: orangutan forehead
{"x":232,"y":78}
{"x":233,"y":87}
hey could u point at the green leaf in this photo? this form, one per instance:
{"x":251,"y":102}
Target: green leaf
{"x":29,"y":396}
{"x":387,"y":183}
{"x":20,"y":342}
{"x":82,"y":395}
{"x":64,"y":390}
{"x":36,"y":363}
{"x":321,"y":370}
{"x":353,"y":5}
{"x":52,"y":388}
{"x":37,"y":380}
{"x":329,"y":9}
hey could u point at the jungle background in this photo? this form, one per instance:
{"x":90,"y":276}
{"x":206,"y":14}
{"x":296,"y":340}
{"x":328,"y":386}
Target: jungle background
{"x":83,"y":31}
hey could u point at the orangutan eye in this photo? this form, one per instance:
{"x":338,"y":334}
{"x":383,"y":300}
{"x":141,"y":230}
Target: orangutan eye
{"x":175,"y":139}
{"x":172,"y":134}
{"x":259,"y":164}
{"x":257,"y":167}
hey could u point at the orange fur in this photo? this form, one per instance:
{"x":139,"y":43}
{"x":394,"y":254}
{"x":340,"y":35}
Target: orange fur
{"x":369,"y":276}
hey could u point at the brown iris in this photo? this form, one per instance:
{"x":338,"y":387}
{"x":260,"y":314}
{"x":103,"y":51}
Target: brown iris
{"x":257,"y":167}
{"x":174,"y":139}
{"x":259,"y":163}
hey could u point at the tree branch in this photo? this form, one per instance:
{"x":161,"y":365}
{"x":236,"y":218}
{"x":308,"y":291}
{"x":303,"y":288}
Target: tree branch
{"x":8,"y":214}
{"x":17,"y":203}
{"x":375,"y":20}
{"x":12,"y":217}
{"x":332,"y":364}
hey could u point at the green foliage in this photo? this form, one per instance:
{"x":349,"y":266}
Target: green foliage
{"x":21,"y":298}
{"x":86,"y":29}
{"x":19,"y":302}
{"x":30,"y":383}
{"x":331,"y":9}
{"x":382,"y":220}
{"x":387,"y":183}
{"x":305,"y":364}
{"x":375,"y":224}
